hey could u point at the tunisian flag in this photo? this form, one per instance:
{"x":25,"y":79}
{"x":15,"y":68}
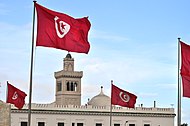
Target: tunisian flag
{"x":122,"y":98}
{"x":185,"y":68}
{"x":61,"y":31}
{"x":15,"y":96}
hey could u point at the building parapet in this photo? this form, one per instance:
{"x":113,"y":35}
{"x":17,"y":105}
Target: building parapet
{"x":91,"y":108}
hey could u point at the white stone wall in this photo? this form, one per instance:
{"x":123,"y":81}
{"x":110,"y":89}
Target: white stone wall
{"x":51,"y":114}
{"x":4,"y":114}
{"x":52,"y":120}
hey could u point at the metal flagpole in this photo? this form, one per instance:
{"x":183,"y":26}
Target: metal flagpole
{"x":111,"y":105}
{"x":179,"y":88}
{"x":9,"y":105}
{"x":31,"y":69}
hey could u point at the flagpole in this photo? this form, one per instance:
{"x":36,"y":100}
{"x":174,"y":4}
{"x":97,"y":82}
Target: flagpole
{"x":7,"y":91}
{"x":9,"y":105}
{"x":31,"y":69}
{"x":179,"y":88}
{"x":111,"y":105}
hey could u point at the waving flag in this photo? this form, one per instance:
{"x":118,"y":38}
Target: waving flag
{"x":185,"y":68}
{"x":15,"y":96}
{"x":122,"y":98}
{"x":61,"y":31}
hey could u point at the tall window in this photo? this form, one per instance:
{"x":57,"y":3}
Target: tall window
{"x":60,"y":123}
{"x":68,"y":86}
{"x":59,"y":86}
{"x":23,"y":123}
{"x":41,"y":123}
{"x":98,"y":124}
{"x":73,"y":124}
{"x":72,"y":86}
{"x":75,"y":86}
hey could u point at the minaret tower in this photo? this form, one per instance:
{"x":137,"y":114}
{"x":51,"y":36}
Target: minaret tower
{"x":68,"y":83}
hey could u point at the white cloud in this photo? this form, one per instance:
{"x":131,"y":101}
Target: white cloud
{"x":15,"y":50}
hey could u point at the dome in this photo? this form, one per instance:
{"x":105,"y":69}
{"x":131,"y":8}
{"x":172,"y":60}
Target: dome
{"x":68,"y":56}
{"x":100,"y":100}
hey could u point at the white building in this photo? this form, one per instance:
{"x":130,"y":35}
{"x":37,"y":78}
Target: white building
{"x":68,"y":111}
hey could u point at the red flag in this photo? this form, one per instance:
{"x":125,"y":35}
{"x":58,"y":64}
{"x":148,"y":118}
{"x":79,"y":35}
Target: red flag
{"x":185,"y":68}
{"x":15,"y":96}
{"x":61,"y":31}
{"x":122,"y":98}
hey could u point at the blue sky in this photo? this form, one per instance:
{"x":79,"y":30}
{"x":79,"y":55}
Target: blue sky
{"x":133,"y":43}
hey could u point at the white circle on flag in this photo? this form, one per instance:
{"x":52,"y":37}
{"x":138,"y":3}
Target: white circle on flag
{"x":62,"y":28}
{"x":15,"y":96}
{"x":124,"y":97}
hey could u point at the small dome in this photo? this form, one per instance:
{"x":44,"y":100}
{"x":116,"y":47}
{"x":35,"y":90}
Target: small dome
{"x":100,"y":99}
{"x":68,"y":56}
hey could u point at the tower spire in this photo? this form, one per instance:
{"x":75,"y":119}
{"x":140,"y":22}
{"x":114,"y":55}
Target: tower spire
{"x":68,"y":83}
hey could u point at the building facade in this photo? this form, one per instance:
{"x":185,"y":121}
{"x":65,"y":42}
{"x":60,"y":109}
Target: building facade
{"x":68,"y":111}
{"x":88,"y":115}
{"x":4,"y":114}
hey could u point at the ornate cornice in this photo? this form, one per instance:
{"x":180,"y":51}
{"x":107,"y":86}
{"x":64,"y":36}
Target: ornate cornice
{"x":70,"y":74}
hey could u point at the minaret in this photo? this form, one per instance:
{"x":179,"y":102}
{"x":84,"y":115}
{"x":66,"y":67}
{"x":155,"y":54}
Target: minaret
{"x":68,"y":83}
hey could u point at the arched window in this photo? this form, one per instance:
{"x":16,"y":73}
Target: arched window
{"x":68,"y":85}
{"x":72,"y":86}
{"x":75,"y":86}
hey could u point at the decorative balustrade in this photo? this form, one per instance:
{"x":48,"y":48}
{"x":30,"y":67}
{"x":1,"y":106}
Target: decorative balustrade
{"x":53,"y":106}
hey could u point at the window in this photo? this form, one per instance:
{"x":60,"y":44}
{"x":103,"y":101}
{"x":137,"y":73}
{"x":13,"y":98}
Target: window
{"x":73,"y":124}
{"x":75,"y":86}
{"x":68,"y":86}
{"x":131,"y":124}
{"x":71,"y":86}
{"x":59,"y":86}
{"x":146,"y":124}
{"x":98,"y":124}
{"x":23,"y":123}
{"x":79,"y":124}
{"x":41,"y":123}
{"x":60,"y":123}
{"x":116,"y":124}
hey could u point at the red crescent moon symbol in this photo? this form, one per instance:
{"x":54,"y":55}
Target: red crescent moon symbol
{"x":15,"y":95}
{"x":61,"y":27}
{"x":124,"y":97}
